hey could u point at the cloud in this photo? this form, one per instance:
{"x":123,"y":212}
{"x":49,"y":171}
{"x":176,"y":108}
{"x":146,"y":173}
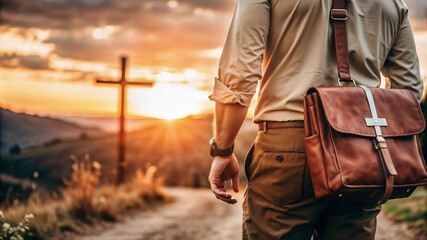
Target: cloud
{"x":66,"y":14}
{"x":24,"y":41}
{"x":152,"y":32}
{"x":32,"y":62}
{"x":62,"y":14}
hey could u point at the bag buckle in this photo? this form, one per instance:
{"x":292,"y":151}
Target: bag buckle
{"x":377,"y":141}
{"x":339,"y":14}
{"x":351,"y":80}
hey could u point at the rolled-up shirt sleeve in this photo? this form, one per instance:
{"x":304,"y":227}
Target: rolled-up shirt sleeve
{"x":402,"y":65}
{"x":240,"y":66}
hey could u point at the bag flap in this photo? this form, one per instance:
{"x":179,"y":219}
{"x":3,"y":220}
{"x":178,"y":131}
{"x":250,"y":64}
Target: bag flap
{"x":347,"y":107}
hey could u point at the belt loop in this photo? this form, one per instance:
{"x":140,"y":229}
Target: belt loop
{"x":265,"y":127}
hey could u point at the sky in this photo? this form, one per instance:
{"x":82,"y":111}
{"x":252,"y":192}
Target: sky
{"x":51,"y":52}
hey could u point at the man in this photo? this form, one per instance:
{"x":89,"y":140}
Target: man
{"x":287,"y":46}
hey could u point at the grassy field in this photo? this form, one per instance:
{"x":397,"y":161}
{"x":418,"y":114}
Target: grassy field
{"x":83,"y":203}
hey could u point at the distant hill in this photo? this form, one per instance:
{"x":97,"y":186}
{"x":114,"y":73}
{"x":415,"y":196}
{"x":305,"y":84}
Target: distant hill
{"x":25,"y":130}
{"x":111,"y":124}
{"x":178,"y":148}
{"x":107,"y":124}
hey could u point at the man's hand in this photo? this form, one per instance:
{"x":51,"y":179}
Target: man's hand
{"x":222,"y":170}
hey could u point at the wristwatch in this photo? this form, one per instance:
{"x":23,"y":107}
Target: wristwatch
{"x":215,"y":151}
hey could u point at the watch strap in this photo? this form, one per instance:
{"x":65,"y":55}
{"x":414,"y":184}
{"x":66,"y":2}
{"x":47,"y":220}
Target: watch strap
{"x":220,"y":152}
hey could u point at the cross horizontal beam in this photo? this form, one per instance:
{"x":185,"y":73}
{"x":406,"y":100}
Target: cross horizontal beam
{"x":145,"y":84}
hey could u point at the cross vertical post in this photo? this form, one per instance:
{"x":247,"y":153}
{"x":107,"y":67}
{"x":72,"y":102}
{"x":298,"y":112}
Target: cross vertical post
{"x":121,"y":150}
{"x":121,"y":146}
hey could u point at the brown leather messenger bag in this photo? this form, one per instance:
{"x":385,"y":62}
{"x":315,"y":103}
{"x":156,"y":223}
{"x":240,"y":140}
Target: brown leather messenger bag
{"x":362,"y":143}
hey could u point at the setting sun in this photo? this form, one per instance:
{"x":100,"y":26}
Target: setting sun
{"x":167,"y":101}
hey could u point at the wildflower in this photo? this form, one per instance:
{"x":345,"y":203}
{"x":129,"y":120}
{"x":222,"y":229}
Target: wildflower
{"x":6,"y":226}
{"x":28,"y":217}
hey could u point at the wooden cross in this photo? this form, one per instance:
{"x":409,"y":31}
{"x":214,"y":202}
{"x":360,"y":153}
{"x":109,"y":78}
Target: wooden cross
{"x":121,"y":161}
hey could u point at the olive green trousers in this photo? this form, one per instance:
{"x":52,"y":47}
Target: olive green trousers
{"x":279,"y":201}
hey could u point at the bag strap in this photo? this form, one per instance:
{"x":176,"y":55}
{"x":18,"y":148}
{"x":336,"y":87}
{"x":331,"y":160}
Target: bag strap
{"x":381,"y":146}
{"x":339,"y":17}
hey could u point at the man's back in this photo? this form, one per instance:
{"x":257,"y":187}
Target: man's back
{"x":296,"y":39}
{"x":287,"y":45}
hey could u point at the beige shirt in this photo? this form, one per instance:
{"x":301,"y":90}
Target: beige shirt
{"x":287,"y":46}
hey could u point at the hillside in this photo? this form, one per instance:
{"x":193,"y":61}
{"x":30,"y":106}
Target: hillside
{"x":27,"y":130}
{"x":107,"y":124}
{"x":179,"y":148}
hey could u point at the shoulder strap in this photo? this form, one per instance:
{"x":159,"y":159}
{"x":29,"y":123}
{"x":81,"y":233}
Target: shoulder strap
{"x":339,"y":17}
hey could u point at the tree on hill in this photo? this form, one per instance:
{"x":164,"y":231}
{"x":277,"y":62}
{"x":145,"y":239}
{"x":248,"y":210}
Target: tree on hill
{"x":15,"y":149}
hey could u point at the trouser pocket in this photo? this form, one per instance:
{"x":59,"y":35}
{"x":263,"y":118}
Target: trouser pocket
{"x":248,"y":161}
{"x":280,"y":176}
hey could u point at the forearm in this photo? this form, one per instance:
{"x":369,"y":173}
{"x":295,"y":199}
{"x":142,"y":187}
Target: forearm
{"x":228,"y":120}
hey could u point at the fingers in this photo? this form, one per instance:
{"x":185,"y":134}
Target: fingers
{"x":218,"y":191}
{"x":229,"y":200}
{"x":218,"y":188}
{"x":221,"y":194}
{"x":235,"y":183}
{"x":222,"y":169}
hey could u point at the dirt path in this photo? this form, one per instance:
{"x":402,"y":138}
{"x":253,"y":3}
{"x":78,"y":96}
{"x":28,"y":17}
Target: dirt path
{"x":196,"y":214}
{"x":387,"y":229}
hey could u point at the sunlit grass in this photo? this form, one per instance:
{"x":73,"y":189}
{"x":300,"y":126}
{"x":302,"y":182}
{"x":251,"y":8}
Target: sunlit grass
{"x":84,"y":201}
{"x":81,"y":187}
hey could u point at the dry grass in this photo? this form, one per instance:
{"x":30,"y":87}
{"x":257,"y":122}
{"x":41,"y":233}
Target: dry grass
{"x":45,"y":212}
{"x":81,"y":188}
{"x":142,"y":191}
{"x":84,"y":201}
